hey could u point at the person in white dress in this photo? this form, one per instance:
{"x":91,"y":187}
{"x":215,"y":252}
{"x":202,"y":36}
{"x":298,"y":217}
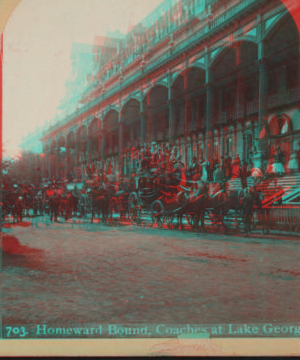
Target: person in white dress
{"x":256,"y":159}
{"x":278,"y":163}
{"x":204,"y":171}
{"x":293,"y":163}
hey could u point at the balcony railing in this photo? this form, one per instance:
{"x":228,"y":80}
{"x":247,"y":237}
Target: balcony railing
{"x":157,"y":60}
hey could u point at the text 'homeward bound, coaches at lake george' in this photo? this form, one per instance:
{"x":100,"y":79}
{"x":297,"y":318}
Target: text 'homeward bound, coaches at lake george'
{"x":170,"y":330}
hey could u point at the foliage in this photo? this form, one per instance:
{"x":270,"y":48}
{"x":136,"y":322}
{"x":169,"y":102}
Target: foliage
{"x":25,"y":169}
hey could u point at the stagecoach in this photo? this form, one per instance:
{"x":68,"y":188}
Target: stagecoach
{"x":151,"y":195}
{"x":118,"y":206}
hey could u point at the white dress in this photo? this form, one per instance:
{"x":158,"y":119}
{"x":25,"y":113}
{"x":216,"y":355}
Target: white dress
{"x":293,"y":163}
{"x":204,"y":173}
{"x":257,"y":162}
{"x":278,"y":168}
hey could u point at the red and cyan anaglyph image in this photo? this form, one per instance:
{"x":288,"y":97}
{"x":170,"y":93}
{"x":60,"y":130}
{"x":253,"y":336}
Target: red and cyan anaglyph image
{"x":150,"y":169}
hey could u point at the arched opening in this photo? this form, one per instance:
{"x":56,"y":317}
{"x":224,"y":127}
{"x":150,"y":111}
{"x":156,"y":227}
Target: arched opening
{"x":53,"y":155}
{"x":111,"y":139}
{"x":280,"y":130}
{"x":132,"y":124}
{"x":158,"y":114}
{"x":248,"y":141}
{"x":82,"y":144}
{"x":71,"y":151}
{"x":235,"y":88}
{"x":61,"y":153}
{"x":196,"y":100}
{"x":94,"y":139}
{"x":282,"y":51}
{"x":179,"y":114}
{"x":132,"y":133}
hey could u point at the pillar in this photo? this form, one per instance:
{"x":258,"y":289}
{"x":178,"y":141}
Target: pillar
{"x":99,"y":147}
{"x":51,"y":165}
{"x":220,"y":103}
{"x":121,"y":137}
{"x":77,"y":153}
{"x":263,"y":96}
{"x":234,"y":141}
{"x":208,"y":119}
{"x":261,"y":141}
{"x":44,"y":165}
{"x":171,"y":117}
{"x":143,"y":117}
{"x":103,"y":139}
{"x":240,"y":98}
{"x":149,"y":121}
{"x":57,"y":151}
{"x":67,"y":158}
{"x":89,"y":149}
{"x":186,"y":116}
{"x":221,"y":144}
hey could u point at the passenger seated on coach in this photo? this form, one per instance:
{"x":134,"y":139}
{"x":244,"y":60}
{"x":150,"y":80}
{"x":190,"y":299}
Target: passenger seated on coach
{"x":222,"y":190}
{"x":184,"y":194}
{"x":200,"y":188}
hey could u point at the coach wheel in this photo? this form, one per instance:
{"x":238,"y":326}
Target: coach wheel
{"x":89,"y":206}
{"x":136,"y":216}
{"x":169,"y":221}
{"x":157,"y":210}
{"x":132,"y":202}
{"x":191,"y":219}
{"x":82,"y":211}
{"x":114,"y":212}
{"x":215,"y":221}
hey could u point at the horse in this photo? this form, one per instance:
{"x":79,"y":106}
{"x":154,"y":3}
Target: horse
{"x":17,"y":210}
{"x":96,"y":192}
{"x":263,"y":212}
{"x":222,"y":203}
{"x":101,"y":195}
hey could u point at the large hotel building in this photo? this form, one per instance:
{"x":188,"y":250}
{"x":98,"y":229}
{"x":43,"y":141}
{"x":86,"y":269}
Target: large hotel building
{"x":214,"y":77}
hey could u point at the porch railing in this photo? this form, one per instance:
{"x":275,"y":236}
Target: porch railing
{"x":282,"y":218}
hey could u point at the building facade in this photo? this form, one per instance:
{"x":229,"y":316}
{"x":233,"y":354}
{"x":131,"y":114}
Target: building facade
{"x":215,"y":78}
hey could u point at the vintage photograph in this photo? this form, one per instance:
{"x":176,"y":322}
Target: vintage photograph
{"x":150,"y":170}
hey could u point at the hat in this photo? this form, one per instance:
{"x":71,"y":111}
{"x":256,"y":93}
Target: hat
{"x":153,"y":143}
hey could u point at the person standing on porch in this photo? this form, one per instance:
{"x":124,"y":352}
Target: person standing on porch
{"x":217,"y":173}
{"x":292,"y":167}
{"x":256,"y":159}
{"x":278,"y":163}
{"x":204,"y":170}
{"x":243,"y":172}
{"x":236,"y":166}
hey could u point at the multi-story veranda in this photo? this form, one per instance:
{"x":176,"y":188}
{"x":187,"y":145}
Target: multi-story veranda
{"x":216,"y":88}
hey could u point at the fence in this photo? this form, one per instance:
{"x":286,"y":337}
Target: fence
{"x":282,"y":218}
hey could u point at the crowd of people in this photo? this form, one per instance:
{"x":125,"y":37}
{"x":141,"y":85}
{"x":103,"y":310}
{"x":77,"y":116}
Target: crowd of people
{"x":163,"y":159}
{"x":148,"y":161}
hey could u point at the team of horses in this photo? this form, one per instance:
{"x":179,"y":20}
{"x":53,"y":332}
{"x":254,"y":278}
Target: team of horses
{"x":149,"y":189}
